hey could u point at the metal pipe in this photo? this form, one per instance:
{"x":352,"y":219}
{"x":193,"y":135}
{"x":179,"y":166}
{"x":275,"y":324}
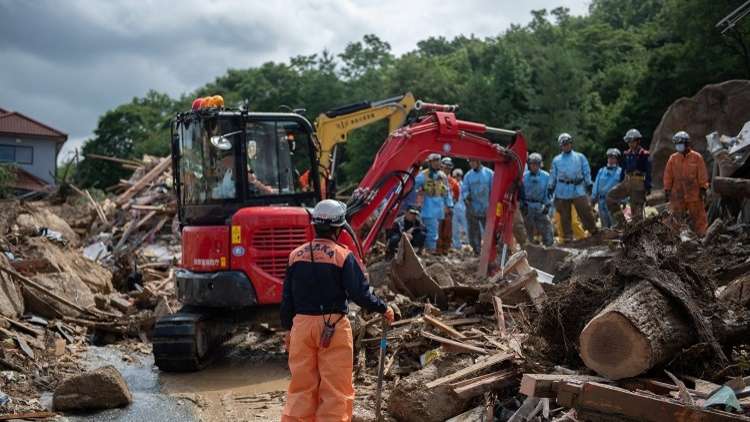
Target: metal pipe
{"x":498,"y":131}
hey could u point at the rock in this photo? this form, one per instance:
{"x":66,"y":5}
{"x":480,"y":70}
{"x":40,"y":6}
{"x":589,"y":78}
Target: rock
{"x":103,"y":388}
{"x":723,"y":107}
{"x":97,"y":278}
{"x":379,"y":273}
{"x":440,"y":275}
{"x":411,"y":401}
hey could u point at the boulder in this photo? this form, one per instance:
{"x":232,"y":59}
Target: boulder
{"x":103,"y":388}
{"x":723,"y":107}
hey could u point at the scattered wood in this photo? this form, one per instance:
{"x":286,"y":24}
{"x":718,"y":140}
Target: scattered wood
{"x":545,"y":385}
{"x":455,"y":345}
{"x":591,"y":399}
{"x":31,"y":283}
{"x":443,"y":327}
{"x":484,"y":364}
{"x":462,"y":321}
{"x":497,"y":303}
{"x":143,"y":181}
{"x":482,"y":384}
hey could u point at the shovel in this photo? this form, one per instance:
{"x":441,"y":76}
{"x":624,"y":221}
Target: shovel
{"x":381,"y":365}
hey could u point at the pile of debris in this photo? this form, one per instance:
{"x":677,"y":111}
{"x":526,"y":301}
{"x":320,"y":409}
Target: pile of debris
{"x":104,"y":277}
{"x":604,"y":342}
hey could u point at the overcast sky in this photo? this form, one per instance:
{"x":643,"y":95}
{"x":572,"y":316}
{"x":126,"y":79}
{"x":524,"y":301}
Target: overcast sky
{"x":67,"y":62}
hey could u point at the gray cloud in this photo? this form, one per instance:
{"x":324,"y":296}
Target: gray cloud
{"x":66,"y":63}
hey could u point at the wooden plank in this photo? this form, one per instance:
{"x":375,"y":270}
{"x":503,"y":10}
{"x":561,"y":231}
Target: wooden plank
{"x":595,"y":398}
{"x":536,"y":292}
{"x":480,"y":385}
{"x":442,"y":340}
{"x":149,"y":177}
{"x":462,"y":321}
{"x":517,"y":259}
{"x":515,"y":285}
{"x":497,"y":303}
{"x":440,"y":325}
{"x":544,"y":385}
{"x":492,"y":360}
{"x":731,"y":187}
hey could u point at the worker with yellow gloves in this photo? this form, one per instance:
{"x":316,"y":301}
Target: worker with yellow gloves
{"x":436,"y":199}
{"x":322,"y":275}
{"x":686,"y":182}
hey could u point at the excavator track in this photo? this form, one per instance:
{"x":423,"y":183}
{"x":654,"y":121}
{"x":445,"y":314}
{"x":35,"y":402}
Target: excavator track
{"x":184,"y":341}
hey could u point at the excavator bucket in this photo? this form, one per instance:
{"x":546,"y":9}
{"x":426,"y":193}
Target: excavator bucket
{"x":410,"y":277}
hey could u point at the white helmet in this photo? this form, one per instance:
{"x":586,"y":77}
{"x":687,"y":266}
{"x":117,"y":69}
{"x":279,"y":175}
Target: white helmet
{"x":613,"y":152}
{"x":681,"y":137}
{"x":632,"y":135}
{"x":564,"y":138}
{"x":447,"y":162}
{"x":329,"y":212}
{"x":433,"y":157}
{"x":534,"y":157}
{"x":458,"y":173}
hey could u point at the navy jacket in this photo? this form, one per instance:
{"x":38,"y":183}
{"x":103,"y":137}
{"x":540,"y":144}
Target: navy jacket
{"x":322,"y":281}
{"x":638,"y":162}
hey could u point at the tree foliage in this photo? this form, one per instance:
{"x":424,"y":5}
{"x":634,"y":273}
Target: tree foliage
{"x":593,"y":76}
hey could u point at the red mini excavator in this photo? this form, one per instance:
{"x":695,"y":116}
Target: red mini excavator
{"x":243,"y":208}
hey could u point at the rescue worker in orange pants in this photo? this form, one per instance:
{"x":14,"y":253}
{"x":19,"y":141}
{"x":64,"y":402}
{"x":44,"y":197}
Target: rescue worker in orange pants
{"x":322,"y":275}
{"x":686,"y":182}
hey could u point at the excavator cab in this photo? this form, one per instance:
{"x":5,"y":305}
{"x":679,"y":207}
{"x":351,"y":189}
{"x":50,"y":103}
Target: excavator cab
{"x":227,"y":160}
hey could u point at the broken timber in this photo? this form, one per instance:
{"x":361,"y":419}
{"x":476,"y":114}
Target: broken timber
{"x":731,"y":187}
{"x":492,"y":360}
{"x":452,"y":344}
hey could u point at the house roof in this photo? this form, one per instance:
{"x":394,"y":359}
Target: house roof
{"x":27,"y":181}
{"x":13,"y":123}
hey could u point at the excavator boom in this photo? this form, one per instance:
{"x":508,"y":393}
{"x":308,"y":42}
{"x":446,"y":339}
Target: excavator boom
{"x":397,"y":162}
{"x":333,"y":127}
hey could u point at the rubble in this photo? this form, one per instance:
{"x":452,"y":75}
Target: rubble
{"x":103,"y":388}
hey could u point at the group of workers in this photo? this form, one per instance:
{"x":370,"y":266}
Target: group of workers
{"x":446,"y":207}
{"x":323,"y":276}
{"x":626,"y":180}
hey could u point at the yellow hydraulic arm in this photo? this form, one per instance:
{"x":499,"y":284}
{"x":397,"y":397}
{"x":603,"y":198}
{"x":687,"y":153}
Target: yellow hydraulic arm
{"x":333,"y":127}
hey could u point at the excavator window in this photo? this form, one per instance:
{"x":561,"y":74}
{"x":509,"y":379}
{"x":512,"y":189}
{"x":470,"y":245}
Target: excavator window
{"x":278,"y":158}
{"x":208,"y":170}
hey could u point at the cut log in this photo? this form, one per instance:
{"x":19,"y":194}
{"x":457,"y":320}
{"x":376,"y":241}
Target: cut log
{"x":635,"y":332}
{"x":497,"y":303}
{"x":732,"y":187}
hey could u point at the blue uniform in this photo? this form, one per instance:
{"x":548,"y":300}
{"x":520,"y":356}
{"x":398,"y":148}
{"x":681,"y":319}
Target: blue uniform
{"x":475,"y":192}
{"x":638,"y":163}
{"x":570,"y":175}
{"x":436,"y":197}
{"x":606,"y":179}
{"x":537,"y":203}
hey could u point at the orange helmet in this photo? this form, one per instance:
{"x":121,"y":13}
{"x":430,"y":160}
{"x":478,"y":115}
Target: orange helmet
{"x":218,"y":101}
{"x":197,"y":104}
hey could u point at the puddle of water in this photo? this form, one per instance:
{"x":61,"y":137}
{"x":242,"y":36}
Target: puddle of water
{"x":226,"y":375}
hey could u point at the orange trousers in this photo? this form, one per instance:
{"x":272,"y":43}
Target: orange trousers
{"x":695,"y":210}
{"x":321,"y":388}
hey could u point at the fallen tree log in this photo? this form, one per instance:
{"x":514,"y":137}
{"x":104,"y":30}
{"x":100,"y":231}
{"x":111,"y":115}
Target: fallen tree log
{"x":732,"y":187}
{"x":635,"y":332}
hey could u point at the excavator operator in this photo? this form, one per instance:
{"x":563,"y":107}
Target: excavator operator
{"x":321,"y":277}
